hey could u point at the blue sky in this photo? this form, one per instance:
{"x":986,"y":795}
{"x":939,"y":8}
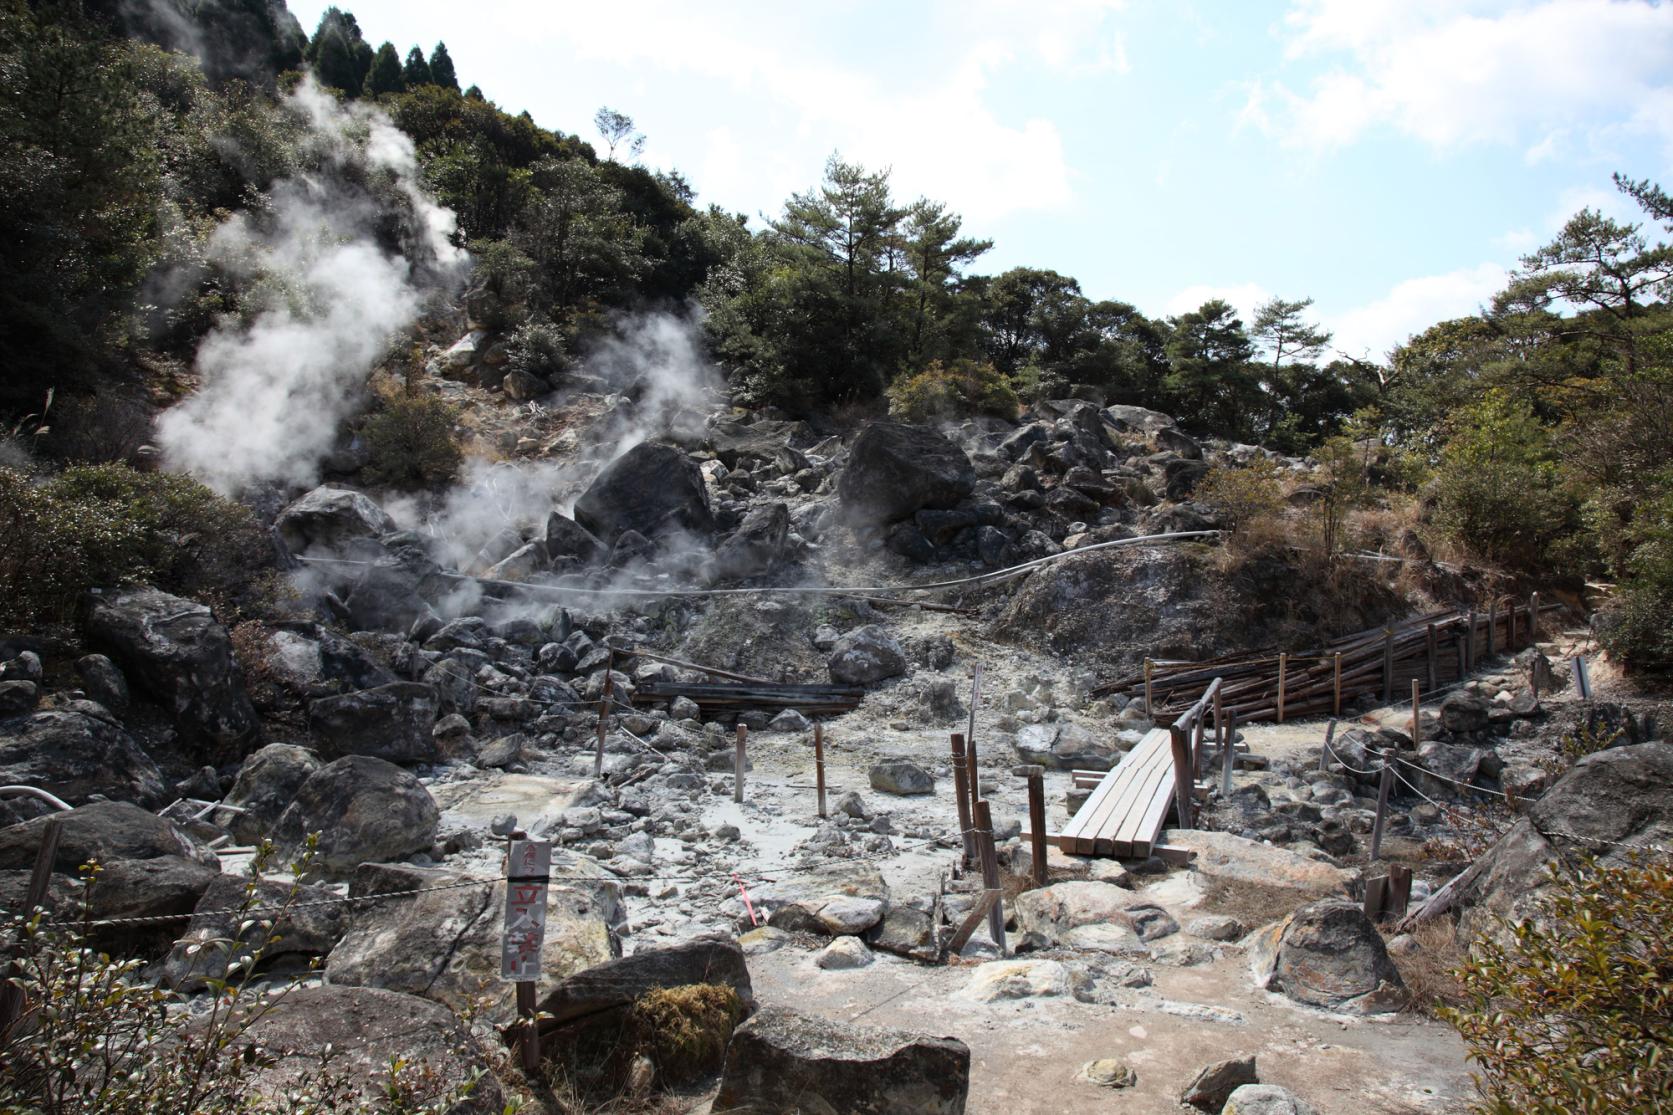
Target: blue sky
{"x":1389,"y":158}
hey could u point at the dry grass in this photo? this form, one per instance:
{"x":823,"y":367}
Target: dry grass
{"x":1253,"y":904}
{"x":1429,"y":971}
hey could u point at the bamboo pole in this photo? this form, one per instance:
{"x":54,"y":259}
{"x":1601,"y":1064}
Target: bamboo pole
{"x":1417,"y":723}
{"x":1493,"y":624}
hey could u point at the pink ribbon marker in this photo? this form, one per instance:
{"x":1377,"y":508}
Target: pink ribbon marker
{"x":748,"y":905}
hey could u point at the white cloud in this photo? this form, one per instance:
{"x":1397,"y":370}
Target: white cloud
{"x":1244,"y":296}
{"x":1451,"y":74}
{"x":1371,"y":330}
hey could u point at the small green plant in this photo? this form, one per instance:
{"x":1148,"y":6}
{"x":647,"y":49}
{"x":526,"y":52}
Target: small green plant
{"x":953,"y":390}
{"x":684,"y":1030}
{"x":1243,"y":495}
{"x":1571,"y":1011}
{"x":411,"y":442}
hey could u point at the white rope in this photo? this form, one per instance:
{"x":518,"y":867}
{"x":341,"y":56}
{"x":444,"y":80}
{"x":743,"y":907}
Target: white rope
{"x":1454,"y":781}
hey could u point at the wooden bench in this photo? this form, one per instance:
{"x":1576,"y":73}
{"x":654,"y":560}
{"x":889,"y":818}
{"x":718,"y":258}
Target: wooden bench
{"x":1127,"y":810}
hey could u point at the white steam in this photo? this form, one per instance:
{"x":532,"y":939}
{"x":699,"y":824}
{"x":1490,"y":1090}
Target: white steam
{"x":323,"y":301}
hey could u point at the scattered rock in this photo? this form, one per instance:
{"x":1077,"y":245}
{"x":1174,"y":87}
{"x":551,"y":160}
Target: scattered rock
{"x":784,"y":1061}
{"x":901,"y":777}
{"x":76,"y":752}
{"x":1265,"y":1099}
{"x":266,"y":783}
{"x":866,"y":655}
{"x":18,"y":697}
{"x":365,"y":810}
{"x":1064,"y":746}
{"x":223,"y":930}
{"x":1108,"y":1073}
{"x":617,"y":984}
{"x":1215,"y":1083}
{"x":894,"y":470}
{"x":1224,"y":855}
{"x":1215,"y":927}
{"x":652,"y":489}
{"x":1328,"y":954}
{"x":844,"y":953}
{"x":394,"y":722}
{"x":328,"y":520}
{"x":1022,"y":979}
{"x":757,"y":544}
{"x":106,"y":831}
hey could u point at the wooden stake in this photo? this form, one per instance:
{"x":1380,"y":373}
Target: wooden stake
{"x":819,"y":763}
{"x":1510,"y":640}
{"x":1399,"y":889}
{"x":1417,"y":705}
{"x":1533,"y":619}
{"x":971,"y":772}
{"x":11,"y":995}
{"x":1228,"y":759}
{"x":1469,"y":642}
{"x":1493,"y":625}
{"x":1336,"y":706}
{"x":1384,"y":784}
{"x":961,"y":790}
{"x":1283,"y":671}
{"x":1431,"y":651}
{"x":990,"y":873}
{"x":1220,"y":737}
{"x":1376,"y":897}
{"x":738,"y":760}
{"x":1149,"y":695}
{"x":972,"y":920}
{"x":528,"y":1045}
{"x":603,"y":711}
{"x":1037,"y":819}
{"x":1182,"y":780}
{"x":1324,"y":752}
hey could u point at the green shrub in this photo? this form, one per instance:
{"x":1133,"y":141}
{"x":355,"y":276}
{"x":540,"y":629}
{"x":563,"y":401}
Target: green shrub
{"x":684,"y":1030}
{"x":411,"y":442}
{"x":1636,"y":627}
{"x":538,"y":348}
{"x":1499,"y":485}
{"x":1572,"y":1011}
{"x":1244,"y":495}
{"x":106,"y":525}
{"x":953,"y":390}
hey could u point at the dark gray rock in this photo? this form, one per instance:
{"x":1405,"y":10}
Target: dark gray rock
{"x":1181,"y":476}
{"x":654,"y":489}
{"x":566,"y":538}
{"x":226,"y":927}
{"x":866,"y":655}
{"x":365,"y":809}
{"x":783,"y":1061}
{"x":757,"y":544}
{"x":392,"y":722}
{"x":894,"y":470}
{"x":1328,"y":954}
{"x":1465,"y":713}
{"x":902,"y":777}
{"x":366,"y":1028}
{"x":1173,"y":440}
{"x":327,"y":520}
{"x":1064,"y":746}
{"x":176,"y":652}
{"x":103,"y":682}
{"x":75,"y":753}
{"x":106,"y":831}
{"x":1215,"y":1083}
{"x":616,"y":985}
{"x":18,"y":697}
{"x":267,"y":782}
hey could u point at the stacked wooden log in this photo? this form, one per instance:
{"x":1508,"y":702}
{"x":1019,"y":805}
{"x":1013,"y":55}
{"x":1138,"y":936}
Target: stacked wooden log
{"x":1436,"y":650}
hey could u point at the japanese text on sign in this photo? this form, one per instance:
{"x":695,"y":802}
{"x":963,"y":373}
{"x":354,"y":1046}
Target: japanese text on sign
{"x":528,"y":864}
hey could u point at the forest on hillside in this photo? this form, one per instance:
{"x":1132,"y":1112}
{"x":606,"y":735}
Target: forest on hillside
{"x":1535,"y":435}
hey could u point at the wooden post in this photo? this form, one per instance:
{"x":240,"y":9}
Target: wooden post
{"x":1336,"y":705}
{"x":603,"y":711}
{"x":528,"y":867}
{"x":1283,"y":672}
{"x":1220,"y":737}
{"x":11,"y":995}
{"x":1582,"y":678}
{"x":819,"y":763}
{"x":1384,"y":784}
{"x":738,"y":760}
{"x":1533,"y":619}
{"x":1431,"y":652}
{"x":1469,"y":641}
{"x":972,"y":920}
{"x":1228,"y":759}
{"x":1388,"y":665}
{"x":1182,"y":780}
{"x":1399,"y":889}
{"x":1037,"y":820}
{"x":1376,"y":897}
{"x":1149,"y":693}
{"x":1510,"y":639}
{"x":961,"y":790}
{"x":990,"y":872}
{"x":529,"y":1044}
{"x":1196,"y":746}
{"x":1493,"y":624}
{"x":1417,"y":705}
{"x":971,"y":771}
{"x":1329,"y":738}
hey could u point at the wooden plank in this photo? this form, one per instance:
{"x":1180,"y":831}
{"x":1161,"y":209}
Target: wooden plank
{"x":1149,"y":826}
{"x":1154,"y":777}
{"x":972,"y":920}
{"x":1081,"y":833}
{"x":1130,"y":770}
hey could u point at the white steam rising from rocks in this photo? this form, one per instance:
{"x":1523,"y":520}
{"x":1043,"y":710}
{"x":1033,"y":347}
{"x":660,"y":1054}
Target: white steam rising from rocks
{"x":323,"y":298}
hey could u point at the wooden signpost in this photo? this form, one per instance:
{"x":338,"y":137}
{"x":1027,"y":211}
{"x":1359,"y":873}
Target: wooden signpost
{"x":528,"y":869}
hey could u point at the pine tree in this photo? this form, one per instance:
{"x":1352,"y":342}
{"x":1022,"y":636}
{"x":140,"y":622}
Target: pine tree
{"x":386,"y":74}
{"x":417,"y":71}
{"x":441,"y":68}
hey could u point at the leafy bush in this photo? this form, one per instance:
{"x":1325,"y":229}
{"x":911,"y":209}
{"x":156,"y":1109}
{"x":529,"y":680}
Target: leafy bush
{"x":538,"y":348}
{"x":95,"y":1038}
{"x":110,"y":525}
{"x":1243,"y":495}
{"x":953,"y":390}
{"x":1572,"y":1011}
{"x":1636,"y":629}
{"x":411,"y":442}
{"x":1499,"y":483}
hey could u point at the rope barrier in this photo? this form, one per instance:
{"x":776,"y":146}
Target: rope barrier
{"x":1454,"y":781}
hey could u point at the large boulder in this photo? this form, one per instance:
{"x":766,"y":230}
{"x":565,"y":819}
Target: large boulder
{"x":1214,"y":1084}
{"x":611,"y":987}
{"x":365,"y":810}
{"x":1055,"y":911}
{"x":653,"y":489}
{"x":783,"y":1061}
{"x":365,"y":1029}
{"x":865,"y":655}
{"x":266,"y":783}
{"x":327,"y":520}
{"x":181,"y":657}
{"x":839,"y":897}
{"x":106,"y":831}
{"x":567,"y":540}
{"x":1064,"y":746}
{"x":1605,"y":805}
{"x":901,"y":777}
{"x":1265,"y":1099}
{"x":227,"y":926}
{"x":1231,"y":858}
{"x":392,"y":722}
{"x":756,"y":545}
{"x":75,"y":752}
{"x":1328,"y":954}
{"x":443,"y":942}
{"x":894,"y":470}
